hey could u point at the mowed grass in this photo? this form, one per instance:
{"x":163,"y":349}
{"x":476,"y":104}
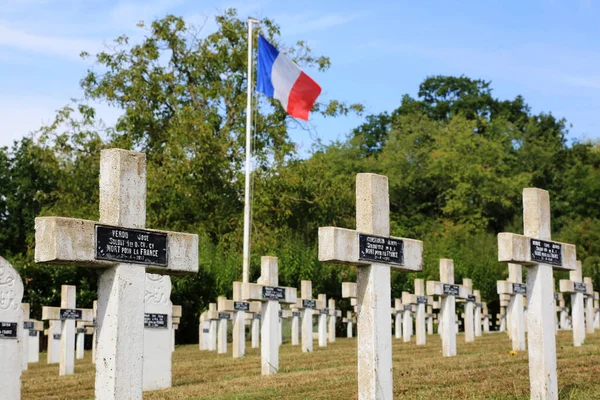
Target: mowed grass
{"x":481,"y":370}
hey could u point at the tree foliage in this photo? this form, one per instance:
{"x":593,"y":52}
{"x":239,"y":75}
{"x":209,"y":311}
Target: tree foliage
{"x":457,"y":159}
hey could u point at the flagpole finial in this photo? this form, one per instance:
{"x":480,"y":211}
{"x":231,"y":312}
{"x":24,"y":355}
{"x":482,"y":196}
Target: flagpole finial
{"x":252,"y":20}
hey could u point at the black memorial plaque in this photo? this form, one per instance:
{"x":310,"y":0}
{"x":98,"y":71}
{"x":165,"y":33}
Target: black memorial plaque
{"x":479,"y":305}
{"x":380,"y":249}
{"x":224,"y":315}
{"x":273,"y":293}
{"x":81,"y":330}
{"x":579,"y":287}
{"x":471,"y":298}
{"x":8,"y":330}
{"x":546,"y":252}
{"x":280,"y":313}
{"x":295,"y":314}
{"x":205,"y":330}
{"x":131,"y":245}
{"x":33,"y":333}
{"x":519,"y":288}
{"x":324,"y":311}
{"x":256,"y":316}
{"x":407,"y":307}
{"x":450,"y":290}
{"x":156,"y":320}
{"x":56,"y":336}
{"x":309,"y":303}
{"x":421,"y":299}
{"x":28,"y":325}
{"x":241,"y":306}
{"x":70,"y":313}
{"x":555,"y":296}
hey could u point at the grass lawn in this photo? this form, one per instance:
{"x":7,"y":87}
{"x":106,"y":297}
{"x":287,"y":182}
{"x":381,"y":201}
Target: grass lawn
{"x":482,"y":370}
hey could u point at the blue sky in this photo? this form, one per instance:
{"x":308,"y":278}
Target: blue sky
{"x":545,"y":50}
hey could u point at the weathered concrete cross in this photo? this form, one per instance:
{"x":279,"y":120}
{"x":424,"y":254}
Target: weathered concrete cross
{"x":53,"y":348}
{"x":589,"y":305}
{"x":307,"y":304}
{"x":408,"y":309}
{"x":374,"y":252}
{"x":515,"y":288}
{"x":123,"y":250}
{"x":419,"y":302}
{"x":448,"y":292}
{"x":539,"y":255}
{"x":398,"y":313}
{"x":82,"y":328}
{"x":67,"y":314}
{"x":270,"y":294}
{"x":322,"y":319}
{"x":238,"y":308}
{"x":469,"y":317}
{"x":177,"y":313}
{"x":35,"y":329}
{"x":578,"y":289}
{"x":333,"y":315}
{"x":348,"y":320}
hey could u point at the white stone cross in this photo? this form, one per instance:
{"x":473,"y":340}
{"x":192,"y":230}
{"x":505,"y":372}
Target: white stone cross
{"x":307,"y":304}
{"x":578,"y":289}
{"x":212,"y":315}
{"x":407,"y":323}
{"x":477,"y":315}
{"x":255,"y":326}
{"x":204,"y":332}
{"x":11,"y":331}
{"x":486,"y":318}
{"x":82,"y":328}
{"x":238,"y":309}
{"x":448,"y":292}
{"x":419,"y":300}
{"x":597,"y":310}
{"x":349,"y":292}
{"x":94,"y":335}
{"x":515,"y":288}
{"x":177,"y":313}
{"x":35,"y":330}
{"x":53,"y":333}
{"x":296,"y":315}
{"x":371,"y":248}
{"x":158,"y":327}
{"x":430,"y":315}
{"x":539,"y":255}
{"x":348,"y":320}
{"x":270,"y":294}
{"x":398,"y":313}
{"x":123,"y":250}
{"x":283,"y":314}
{"x":333,"y":314}
{"x":469,"y":317}
{"x":589,"y":305}
{"x":224,"y":318}
{"x":322,"y":319}
{"x":68,"y":314}
{"x":25,"y":338}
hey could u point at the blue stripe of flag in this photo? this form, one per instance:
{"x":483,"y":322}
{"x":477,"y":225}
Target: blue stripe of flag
{"x":267,"y":54}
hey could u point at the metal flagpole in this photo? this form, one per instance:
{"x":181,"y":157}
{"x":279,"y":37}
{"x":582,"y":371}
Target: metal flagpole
{"x":247,"y":221}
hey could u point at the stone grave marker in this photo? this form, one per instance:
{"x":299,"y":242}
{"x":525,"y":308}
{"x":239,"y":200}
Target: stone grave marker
{"x":407,"y":322}
{"x":448,"y":292}
{"x":307,"y":304}
{"x":27,"y":325}
{"x":158,"y":326}
{"x":94,"y":335}
{"x":224,"y":318}
{"x":213,"y":317}
{"x":349,"y":292}
{"x":204,"y":331}
{"x":540,"y":255}
{"x":123,"y":251}
{"x":53,"y":349}
{"x":11,"y":331}
{"x":237,"y":309}
{"x":371,"y":248}
{"x":578,"y":289}
{"x":597,"y":310}
{"x":255,"y":328}
{"x":398,"y":313}
{"x":421,"y":303}
{"x":177,"y":313}
{"x":67,"y":314}
{"x":430,"y":315}
{"x":322,"y":319}
{"x":283,"y":314}
{"x":270,"y":294}
{"x":486,"y":318}
{"x":477,"y":319}
{"x":589,"y":305}
{"x":516,"y":289}
{"x":349,"y":321}
{"x":35,"y":330}
{"x":333,"y":315}
{"x":296,"y":315}
{"x":469,"y":312}
{"x":82,"y":328}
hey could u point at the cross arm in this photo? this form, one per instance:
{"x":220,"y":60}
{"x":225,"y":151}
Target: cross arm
{"x":516,"y":249}
{"x":435,"y":288}
{"x":253,"y":291}
{"x":53,"y":313}
{"x":37,"y":325}
{"x":70,"y":241}
{"x":177,"y":311}
{"x":342,"y":246}
{"x":228,"y":305}
{"x":349,"y":289}
{"x":569,"y":286}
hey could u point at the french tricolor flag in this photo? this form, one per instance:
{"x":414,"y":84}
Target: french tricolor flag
{"x":280,"y":78}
